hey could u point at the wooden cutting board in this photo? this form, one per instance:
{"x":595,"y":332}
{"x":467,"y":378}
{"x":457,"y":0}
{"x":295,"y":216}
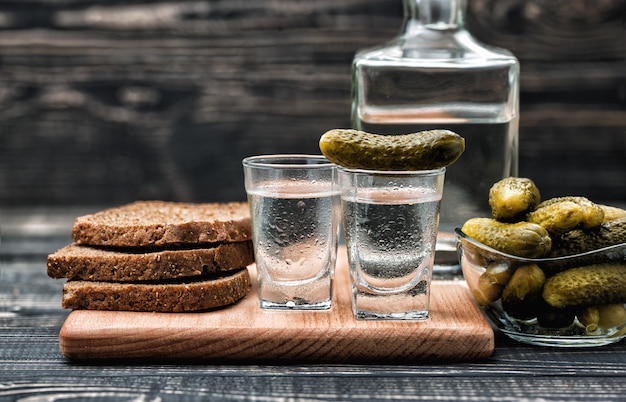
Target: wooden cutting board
{"x":243,"y":332}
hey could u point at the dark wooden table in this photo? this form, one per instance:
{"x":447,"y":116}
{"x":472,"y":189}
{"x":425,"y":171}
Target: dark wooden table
{"x":32,"y":368}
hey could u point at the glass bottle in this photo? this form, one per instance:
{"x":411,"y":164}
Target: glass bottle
{"x":434,"y":74}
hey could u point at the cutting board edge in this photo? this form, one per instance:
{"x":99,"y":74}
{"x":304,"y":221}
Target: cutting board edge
{"x":334,"y":349}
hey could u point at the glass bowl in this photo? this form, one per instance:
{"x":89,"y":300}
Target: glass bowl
{"x":487,"y":270}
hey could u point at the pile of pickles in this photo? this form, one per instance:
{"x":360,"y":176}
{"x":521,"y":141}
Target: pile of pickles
{"x":559,"y":266}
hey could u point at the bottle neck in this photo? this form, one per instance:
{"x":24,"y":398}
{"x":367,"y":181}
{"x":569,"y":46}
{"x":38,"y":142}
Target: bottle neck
{"x":434,"y":14}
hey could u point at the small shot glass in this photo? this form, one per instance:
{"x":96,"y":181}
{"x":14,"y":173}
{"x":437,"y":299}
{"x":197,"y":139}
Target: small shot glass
{"x":295,"y":210}
{"x":391,"y":220}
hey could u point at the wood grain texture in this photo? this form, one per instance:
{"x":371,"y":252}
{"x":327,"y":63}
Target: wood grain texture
{"x":456,"y":331}
{"x":107,"y":102}
{"x":33,"y":368}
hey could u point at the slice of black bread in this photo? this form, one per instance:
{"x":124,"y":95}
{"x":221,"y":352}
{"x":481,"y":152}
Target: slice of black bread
{"x":164,"y":224}
{"x":173,"y":297}
{"x":129,"y":265}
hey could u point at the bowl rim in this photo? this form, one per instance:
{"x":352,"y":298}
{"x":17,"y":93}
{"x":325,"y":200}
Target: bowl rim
{"x":461,"y":236}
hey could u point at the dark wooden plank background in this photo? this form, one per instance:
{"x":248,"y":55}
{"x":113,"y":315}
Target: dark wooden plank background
{"x":105,"y":102}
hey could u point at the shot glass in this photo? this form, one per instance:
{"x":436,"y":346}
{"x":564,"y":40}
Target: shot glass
{"x":295,"y":210}
{"x":391,"y":221}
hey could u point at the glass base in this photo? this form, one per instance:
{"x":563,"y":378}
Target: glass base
{"x":295,"y":305}
{"x":573,"y":341}
{"x":406,"y":316}
{"x":399,"y":306}
{"x":447,"y":271}
{"x":314,"y":294}
{"x":530,"y":332}
{"x":446,"y":264}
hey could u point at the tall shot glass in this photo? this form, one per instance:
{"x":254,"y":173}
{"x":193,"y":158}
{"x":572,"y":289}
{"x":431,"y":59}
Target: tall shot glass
{"x":391,"y":221}
{"x":295,"y":209}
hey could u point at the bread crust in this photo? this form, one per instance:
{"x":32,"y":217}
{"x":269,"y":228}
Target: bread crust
{"x":162,"y":223}
{"x":122,"y":265}
{"x":198,"y":295}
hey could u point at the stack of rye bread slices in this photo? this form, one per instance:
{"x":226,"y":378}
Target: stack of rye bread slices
{"x":157,"y":256}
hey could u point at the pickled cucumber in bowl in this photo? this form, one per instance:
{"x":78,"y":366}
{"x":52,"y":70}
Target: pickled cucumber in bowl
{"x":548,"y":272}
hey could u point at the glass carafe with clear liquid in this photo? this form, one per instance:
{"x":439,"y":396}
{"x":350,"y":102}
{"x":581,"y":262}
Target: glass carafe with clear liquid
{"x":436,"y":75}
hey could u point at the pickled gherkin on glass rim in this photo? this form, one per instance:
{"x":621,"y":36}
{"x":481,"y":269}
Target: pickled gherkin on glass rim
{"x":424,"y":150}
